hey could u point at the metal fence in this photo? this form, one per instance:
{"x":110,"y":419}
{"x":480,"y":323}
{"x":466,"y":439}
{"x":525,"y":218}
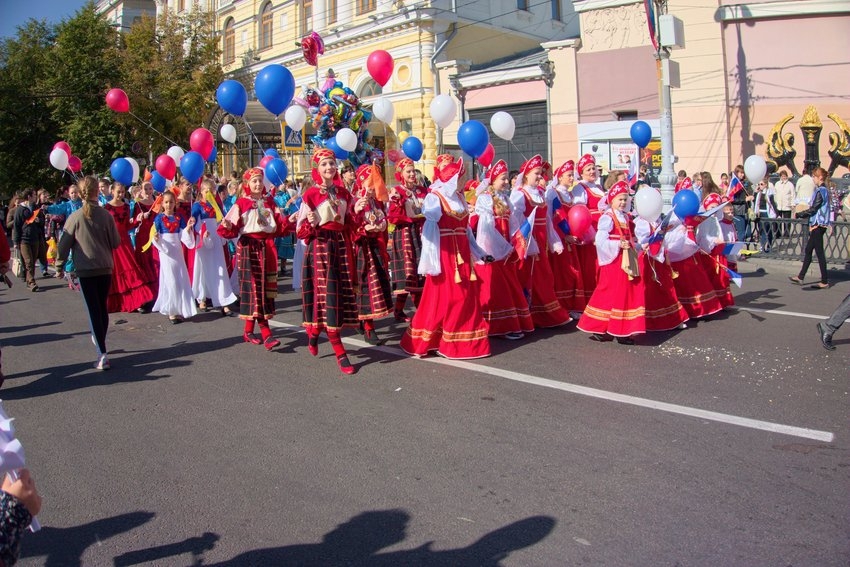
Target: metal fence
{"x":785,"y":239}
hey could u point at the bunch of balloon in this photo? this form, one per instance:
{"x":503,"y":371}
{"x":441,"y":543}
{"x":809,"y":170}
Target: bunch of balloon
{"x":125,"y":170}
{"x":62,"y":159}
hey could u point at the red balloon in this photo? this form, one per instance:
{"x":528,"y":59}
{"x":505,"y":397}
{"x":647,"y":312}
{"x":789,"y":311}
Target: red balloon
{"x":165,"y":166}
{"x":394,"y":155}
{"x":487,"y":157}
{"x":65,"y":147}
{"x":202,"y":141}
{"x":265,"y":160}
{"x":380,"y":66}
{"x":74,"y":164}
{"x":117,"y":100}
{"x":579,"y":220}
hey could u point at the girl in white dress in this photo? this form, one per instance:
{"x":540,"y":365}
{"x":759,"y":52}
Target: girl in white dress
{"x":172,"y":233}
{"x":210,"y":278}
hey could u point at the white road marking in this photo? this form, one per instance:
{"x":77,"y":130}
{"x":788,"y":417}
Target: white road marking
{"x":780,"y":312}
{"x":804,"y":432}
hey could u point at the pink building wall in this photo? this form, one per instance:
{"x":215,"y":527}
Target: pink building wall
{"x":619,"y":79}
{"x":502,"y":95}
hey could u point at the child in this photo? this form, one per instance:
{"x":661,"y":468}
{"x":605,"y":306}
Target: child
{"x":172,"y":233}
{"x":210,"y":278}
{"x":65,"y":208}
{"x":617,"y":306}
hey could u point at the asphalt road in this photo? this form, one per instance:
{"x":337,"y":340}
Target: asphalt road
{"x":198,"y":449}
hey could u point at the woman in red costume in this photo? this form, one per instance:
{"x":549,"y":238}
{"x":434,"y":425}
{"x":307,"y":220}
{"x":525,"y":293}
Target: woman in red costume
{"x":325,"y":223}
{"x":709,"y":236}
{"x":253,"y":220}
{"x":405,"y":212}
{"x":503,"y":304}
{"x":566,"y":267}
{"x":145,"y":216}
{"x":588,"y":192}
{"x":535,"y":273}
{"x":449,"y":319}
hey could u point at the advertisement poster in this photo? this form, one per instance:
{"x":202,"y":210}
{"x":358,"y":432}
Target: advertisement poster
{"x":651,"y":156}
{"x":622,"y":155}
{"x":600,"y":151}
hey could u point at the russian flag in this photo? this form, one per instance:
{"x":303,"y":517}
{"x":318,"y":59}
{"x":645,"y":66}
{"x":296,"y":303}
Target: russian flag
{"x":633,"y":172}
{"x":559,"y":216}
{"x":735,"y":276}
{"x":734,"y":186}
{"x":521,"y":239}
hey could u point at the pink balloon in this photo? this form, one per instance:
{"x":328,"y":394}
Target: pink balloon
{"x":165,"y":166}
{"x":487,"y":157}
{"x":380,"y":66}
{"x":394,"y":155}
{"x":74,"y":164}
{"x":265,"y":160}
{"x":202,"y":141}
{"x":65,"y":147}
{"x":579,"y":220}
{"x":117,"y":100}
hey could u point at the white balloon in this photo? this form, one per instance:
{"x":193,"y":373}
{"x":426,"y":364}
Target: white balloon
{"x":346,"y":139}
{"x":648,"y":203}
{"x":503,"y":125}
{"x":443,"y":110}
{"x":176,"y":153}
{"x":135,"y":165}
{"x":228,"y":133}
{"x":295,"y":117}
{"x":755,"y":168}
{"x":59,"y":159}
{"x":383,"y":110}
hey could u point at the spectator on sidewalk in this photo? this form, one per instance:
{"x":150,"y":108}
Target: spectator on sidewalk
{"x":820,"y":220}
{"x":785,"y":194}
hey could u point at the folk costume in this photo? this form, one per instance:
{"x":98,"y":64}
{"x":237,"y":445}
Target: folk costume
{"x":566,"y":267}
{"x":535,"y":272}
{"x":325,"y":223}
{"x":588,"y":192}
{"x":694,"y":288}
{"x":254,"y":221}
{"x":405,"y":214}
{"x":132,"y":284}
{"x":449,"y":320}
{"x":617,"y":306}
{"x":372,"y":283}
{"x":149,"y":260}
{"x":503,"y":303}
{"x":210,"y":278}
{"x":175,"y":291}
{"x":709,"y":236}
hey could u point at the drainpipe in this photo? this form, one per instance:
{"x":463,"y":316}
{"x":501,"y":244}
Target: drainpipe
{"x":437,"y":53}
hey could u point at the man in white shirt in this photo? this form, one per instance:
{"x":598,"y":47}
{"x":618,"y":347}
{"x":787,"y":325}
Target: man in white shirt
{"x":805,"y":188}
{"x":785,"y":194}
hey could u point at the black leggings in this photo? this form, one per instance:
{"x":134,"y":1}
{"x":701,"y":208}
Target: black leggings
{"x":815,"y":244}
{"x":95,"y":290}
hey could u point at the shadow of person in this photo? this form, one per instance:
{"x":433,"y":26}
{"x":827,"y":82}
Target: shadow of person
{"x":354,"y":542}
{"x":194,"y":545}
{"x":488,"y":551}
{"x":64,"y":547}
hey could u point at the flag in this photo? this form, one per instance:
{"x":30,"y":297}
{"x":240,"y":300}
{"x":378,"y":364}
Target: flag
{"x":521,"y":239}
{"x":658,"y":234}
{"x":633,"y":172}
{"x":733,"y":248}
{"x":649,"y":7}
{"x":734,"y":186}
{"x":735,"y":276}
{"x":559,"y":216}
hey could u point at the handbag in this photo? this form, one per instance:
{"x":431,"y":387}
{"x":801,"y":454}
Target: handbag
{"x":17,"y":264}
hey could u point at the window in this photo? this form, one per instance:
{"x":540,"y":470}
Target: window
{"x":306,"y":16}
{"x":370,"y":88}
{"x":364,"y":6}
{"x":404,"y":125}
{"x":266,"y":27}
{"x":331,"y":4}
{"x":229,"y":42}
{"x":181,"y":5}
{"x":522,"y":5}
{"x":556,"y":10}
{"x":625,"y":115}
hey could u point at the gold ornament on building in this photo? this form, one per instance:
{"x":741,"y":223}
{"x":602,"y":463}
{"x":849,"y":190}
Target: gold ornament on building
{"x":839,"y":145}
{"x":780,"y":146}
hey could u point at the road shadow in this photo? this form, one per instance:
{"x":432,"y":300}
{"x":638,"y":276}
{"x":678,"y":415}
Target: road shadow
{"x":21,"y":328}
{"x":64,"y":547}
{"x":358,"y":542}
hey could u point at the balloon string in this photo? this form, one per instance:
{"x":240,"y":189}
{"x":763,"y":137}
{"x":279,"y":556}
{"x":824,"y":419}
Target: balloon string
{"x":169,"y":140}
{"x":520,"y":152}
{"x":251,"y":131}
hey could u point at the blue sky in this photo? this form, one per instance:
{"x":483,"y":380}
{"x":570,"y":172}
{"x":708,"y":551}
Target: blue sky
{"x":14,"y":13}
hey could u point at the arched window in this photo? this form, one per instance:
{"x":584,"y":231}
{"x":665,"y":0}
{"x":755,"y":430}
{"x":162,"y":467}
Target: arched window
{"x":266,"y":26}
{"x":369,"y":88}
{"x":229,"y":42}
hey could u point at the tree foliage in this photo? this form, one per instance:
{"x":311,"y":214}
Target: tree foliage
{"x":53,"y":80}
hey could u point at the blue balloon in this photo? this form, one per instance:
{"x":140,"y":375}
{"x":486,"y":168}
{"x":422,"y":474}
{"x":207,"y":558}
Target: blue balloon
{"x":158,"y":181}
{"x":340,"y":153}
{"x":232,"y":97}
{"x":472,"y":137}
{"x":685,"y":203}
{"x":213,"y":155}
{"x":274,"y":87}
{"x":412,"y":148}
{"x":192,"y":166}
{"x":272,"y":152}
{"x":276,"y":171}
{"x":641,"y":133}
{"x":122,"y":171}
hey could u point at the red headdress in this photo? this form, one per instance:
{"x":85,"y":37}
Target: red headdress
{"x":686,"y":183}
{"x":400,"y":165}
{"x":619,"y":188}
{"x":449,"y":169}
{"x":585,"y":160}
{"x":547,"y":168}
{"x":711,"y":201}
{"x":566,"y":167}
{"x":498,"y":169}
{"x":441,"y":160}
{"x":533,"y":163}
{"x":318,"y":155}
{"x":246,"y":177}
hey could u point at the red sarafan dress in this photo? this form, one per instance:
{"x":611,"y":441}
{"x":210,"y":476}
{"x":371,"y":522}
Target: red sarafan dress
{"x":694,"y":289}
{"x":535,"y":273}
{"x":148,"y":259}
{"x":132,"y":284}
{"x":588,"y":194}
{"x":566,"y":266}
{"x":617,"y":306}
{"x":503,"y":303}
{"x":707,"y":234}
{"x":663,"y":310}
{"x":449,"y":319}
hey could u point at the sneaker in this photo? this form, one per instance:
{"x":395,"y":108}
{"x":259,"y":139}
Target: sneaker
{"x":34,"y":287}
{"x":45,"y":274}
{"x":103,"y":363}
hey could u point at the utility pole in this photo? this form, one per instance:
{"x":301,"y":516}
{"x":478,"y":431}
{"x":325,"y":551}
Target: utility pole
{"x":671,"y":34}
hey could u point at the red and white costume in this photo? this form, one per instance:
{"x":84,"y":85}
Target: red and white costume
{"x":590,"y":194}
{"x":694,"y":289}
{"x":566,"y":267}
{"x":709,"y":236}
{"x":405,"y":213}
